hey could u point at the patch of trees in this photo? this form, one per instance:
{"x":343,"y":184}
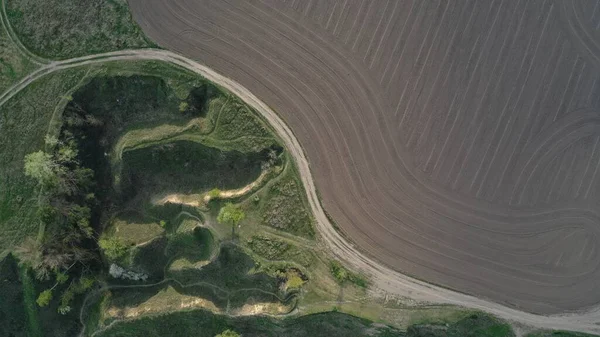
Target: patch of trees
{"x":65,"y":246}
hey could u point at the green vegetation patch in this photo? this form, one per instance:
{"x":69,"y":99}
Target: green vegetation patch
{"x":61,"y":29}
{"x":274,"y":249}
{"x":29,"y":300}
{"x":229,"y":281}
{"x":343,"y":275}
{"x":132,"y":227}
{"x":181,"y":80}
{"x":282,"y":205}
{"x":201,"y":323}
{"x":232,"y":271}
{"x":238,"y":127}
{"x":46,"y":320}
{"x":128,"y":101}
{"x":186,"y":249}
{"x":150,"y":259}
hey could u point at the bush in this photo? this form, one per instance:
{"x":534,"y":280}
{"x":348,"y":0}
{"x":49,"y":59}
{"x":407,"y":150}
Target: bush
{"x":214,"y":193}
{"x":343,"y":275}
{"x":294,"y":282}
{"x":183,"y":106}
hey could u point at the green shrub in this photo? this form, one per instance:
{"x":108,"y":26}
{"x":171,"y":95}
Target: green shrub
{"x":343,"y":275}
{"x":214,"y":193}
{"x":183,"y":106}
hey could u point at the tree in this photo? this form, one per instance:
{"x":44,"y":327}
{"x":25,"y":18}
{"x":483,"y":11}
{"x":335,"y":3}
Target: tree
{"x":113,"y":247}
{"x":30,"y":253}
{"x":232,"y":215}
{"x":44,"y":298}
{"x":228,"y":333}
{"x":65,"y":210}
{"x":61,"y":277}
{"x":44,"y":259}
{"x":40,"y":166}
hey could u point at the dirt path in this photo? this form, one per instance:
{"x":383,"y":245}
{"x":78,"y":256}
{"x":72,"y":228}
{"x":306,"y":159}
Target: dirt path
{"x":384,"y":279}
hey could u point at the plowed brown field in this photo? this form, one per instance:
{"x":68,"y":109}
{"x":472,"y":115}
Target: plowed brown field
{"x":456,"y":141}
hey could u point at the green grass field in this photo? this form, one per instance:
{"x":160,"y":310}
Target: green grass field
{"x":61,"y":29}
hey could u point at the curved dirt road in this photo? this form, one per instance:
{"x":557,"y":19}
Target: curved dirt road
{"x":384,"y":279}
{"x":456,"y":141}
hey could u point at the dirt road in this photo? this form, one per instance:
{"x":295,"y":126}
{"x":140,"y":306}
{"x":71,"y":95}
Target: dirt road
{"x":384,"y":279}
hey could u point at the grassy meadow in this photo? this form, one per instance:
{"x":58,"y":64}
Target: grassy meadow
{"x":14,"y":64}
{"x":59,"y":29}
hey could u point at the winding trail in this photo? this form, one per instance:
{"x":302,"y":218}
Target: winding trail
{"x":384,"y":279}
